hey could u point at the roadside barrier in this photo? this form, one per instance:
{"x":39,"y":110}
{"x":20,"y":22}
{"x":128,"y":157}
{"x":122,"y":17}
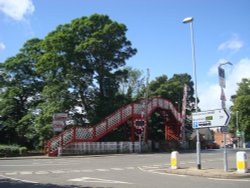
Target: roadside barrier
{"x":175,"y":163}
{"x":241,"y":159}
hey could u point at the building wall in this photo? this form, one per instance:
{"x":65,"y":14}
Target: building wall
{"x":218,"y":138}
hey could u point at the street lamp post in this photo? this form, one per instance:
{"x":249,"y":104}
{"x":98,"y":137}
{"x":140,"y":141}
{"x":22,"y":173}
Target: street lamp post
{"x":222,"y":83}
{"x":198,"y":152}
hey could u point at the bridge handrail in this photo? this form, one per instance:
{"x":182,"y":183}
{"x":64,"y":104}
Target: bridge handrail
{"x":93,"y":133}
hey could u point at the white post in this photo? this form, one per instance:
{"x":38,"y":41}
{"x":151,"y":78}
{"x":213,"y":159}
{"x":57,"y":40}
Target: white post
{"x":59,"y":151}
{"x":175,"y":163}
{"x":241,"y":158}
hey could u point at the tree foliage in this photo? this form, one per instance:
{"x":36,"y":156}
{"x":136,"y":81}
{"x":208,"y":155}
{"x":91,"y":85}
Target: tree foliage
{"x":241,"y":103}
{"x":85,"y":58}
{"x":132,"y":82}
{"x":171,"y":89}
{"x":76,"y":65}
{"x":78,"y":69}
{"x":20,"y":89}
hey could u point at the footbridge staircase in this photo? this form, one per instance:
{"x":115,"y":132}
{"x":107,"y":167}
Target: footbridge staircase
{"x":131,"y":111}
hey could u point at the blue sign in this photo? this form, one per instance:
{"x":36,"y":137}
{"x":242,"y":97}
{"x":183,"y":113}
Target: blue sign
{"x":195,"y":124}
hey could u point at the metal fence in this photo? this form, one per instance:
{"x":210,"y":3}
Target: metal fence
{"x":92,"y":148}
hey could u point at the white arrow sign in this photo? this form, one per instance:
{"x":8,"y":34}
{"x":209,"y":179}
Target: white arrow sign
{"x":211,"y":118}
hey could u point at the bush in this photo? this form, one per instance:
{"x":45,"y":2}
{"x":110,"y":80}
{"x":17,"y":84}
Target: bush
{"x":12,"y":150}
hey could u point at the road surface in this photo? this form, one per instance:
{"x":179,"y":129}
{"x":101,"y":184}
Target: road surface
{"x":128,"y":170}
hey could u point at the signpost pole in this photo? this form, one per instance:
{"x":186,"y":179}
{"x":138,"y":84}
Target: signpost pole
{"x":211,"y":119}
{"x":223,"y":105}
{"x":222,"y":84}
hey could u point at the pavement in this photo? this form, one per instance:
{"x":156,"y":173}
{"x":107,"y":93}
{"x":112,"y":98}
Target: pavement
{"x":209,"y":172}
{"x":190,"y":171}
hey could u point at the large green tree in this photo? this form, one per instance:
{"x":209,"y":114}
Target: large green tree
{"x":78,"y":65}
{"x":172,"y":89}
{"x":241,"y":105}
{"x":20,"y":93}
{"x":85,"y":58}
{"x":132,"y":82}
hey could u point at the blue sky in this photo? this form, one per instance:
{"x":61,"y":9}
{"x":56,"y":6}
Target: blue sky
{"x":155,"y":28}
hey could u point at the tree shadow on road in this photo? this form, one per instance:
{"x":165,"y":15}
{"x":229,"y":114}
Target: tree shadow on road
{"x":18,"y":184}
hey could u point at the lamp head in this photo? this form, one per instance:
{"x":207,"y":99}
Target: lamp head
{"x":225,"y":63}
{"x":188,"y":20}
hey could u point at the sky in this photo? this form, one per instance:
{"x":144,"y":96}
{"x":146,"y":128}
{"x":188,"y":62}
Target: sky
{"x":221,"y":33}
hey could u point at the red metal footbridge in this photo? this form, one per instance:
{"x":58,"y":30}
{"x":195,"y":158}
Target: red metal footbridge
{"x":133,"y":111}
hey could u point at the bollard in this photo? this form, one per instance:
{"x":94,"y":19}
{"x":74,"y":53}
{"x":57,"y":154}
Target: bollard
{"x":175,"y":160}
{"x":59,"y":152}
{"x":241,"y":159}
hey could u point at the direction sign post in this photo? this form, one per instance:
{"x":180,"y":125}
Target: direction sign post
{"x":222,"y":83}
{"x":210,"y":119}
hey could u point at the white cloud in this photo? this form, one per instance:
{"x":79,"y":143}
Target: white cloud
{"x":234,"y":43}
{"x":209,"y":94}
{"x":2,"y":46}
{"x":17,"y":9}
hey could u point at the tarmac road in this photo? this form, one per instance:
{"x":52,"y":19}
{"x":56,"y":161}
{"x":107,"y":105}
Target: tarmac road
{"x":126,"y":170}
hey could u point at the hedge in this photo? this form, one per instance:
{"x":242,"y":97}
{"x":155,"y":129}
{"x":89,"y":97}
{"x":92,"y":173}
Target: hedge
{"x":12,"y":150}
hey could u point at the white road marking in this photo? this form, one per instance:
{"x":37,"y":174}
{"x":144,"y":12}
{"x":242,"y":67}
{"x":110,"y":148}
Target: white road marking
{"x":164,"y":173}
{"x":57,"y":171}
{"x":97,"y":180}
{"x":11,"y":173}
{"x":74,"y":171}
{"x":70,"y":171}
{"x":157,"y":165}
{"x":103,"y":170}
{"x":130,"y":168}
{"x":87,"y":170}
{"x":42,"y":172}
{"x":25,"y":173}
{"x":62,"y":164}
{"x":21,"y":180}
{"x":119,"y":169}
{"x":220,"y":179}
{"x":154,"y":171}
{"x":150,"y":167}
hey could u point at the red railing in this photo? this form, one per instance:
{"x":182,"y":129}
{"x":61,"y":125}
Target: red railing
{"x":119,"y":117}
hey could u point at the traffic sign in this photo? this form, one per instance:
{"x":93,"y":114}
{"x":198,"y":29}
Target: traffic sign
{"x":58,"y":125}
{"x":238,"y":133}
{"x":222,"y":77}
{"x":211,"y":118}
{"x":60,"y":116}
{"x":138,"y":131}
{"x":224,"y":129}
{"x":140,"y":123}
